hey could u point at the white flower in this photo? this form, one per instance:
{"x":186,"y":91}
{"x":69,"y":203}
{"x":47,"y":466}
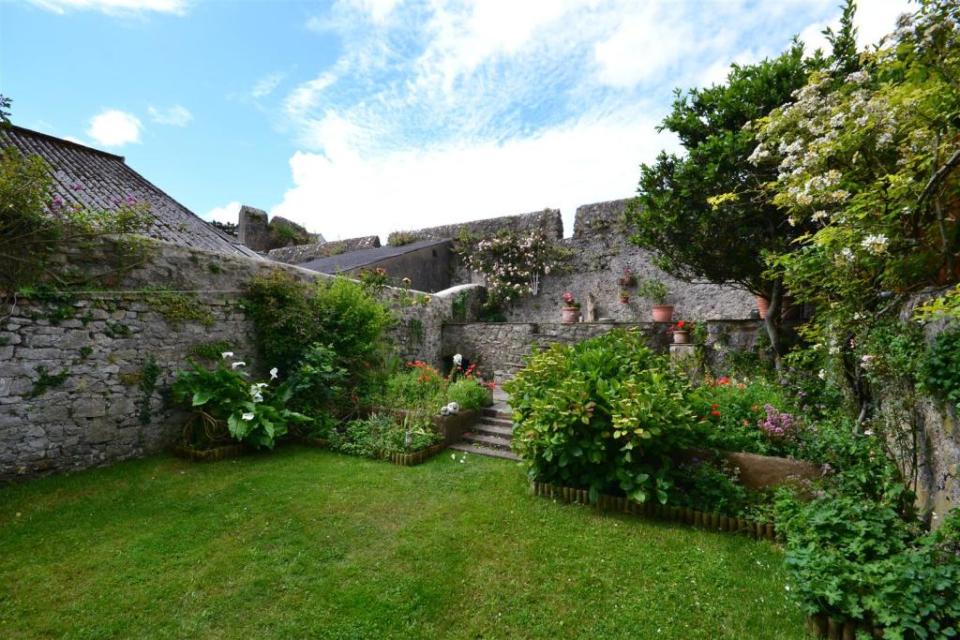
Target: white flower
{"x":868,"y":432}
{"x":247,"y":416}
{"x":866,"y":360}
{"x":457,"y":360}
{"x":226,"y":354}
{"x":273,"y":373}
{"x":822,"y":374}
{"x":819,"y":215}
{"x":238,"y":364}
{"x":875,"y":243}
{"x":847,"y":254}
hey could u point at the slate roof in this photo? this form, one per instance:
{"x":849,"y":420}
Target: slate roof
{"x":365,"y":257}
{"x":100,"y":180}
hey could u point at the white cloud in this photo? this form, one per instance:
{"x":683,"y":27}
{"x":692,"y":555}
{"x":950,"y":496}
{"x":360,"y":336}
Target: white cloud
{"x":267,"y":84}
{"x":873,"y":21}
{"x":344,"y":195}
{"x":114,"y":7}
{"x":453,"y":110}
{"x":176,"y":116}
{"x":229,"y":212}
{"x":114,"y":128}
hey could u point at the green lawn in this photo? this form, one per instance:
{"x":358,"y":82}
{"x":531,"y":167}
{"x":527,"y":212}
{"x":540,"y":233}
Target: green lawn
{"x":305,"y":543}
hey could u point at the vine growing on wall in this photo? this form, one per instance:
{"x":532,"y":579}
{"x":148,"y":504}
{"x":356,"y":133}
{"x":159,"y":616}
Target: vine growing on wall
{"x":511,"y":263}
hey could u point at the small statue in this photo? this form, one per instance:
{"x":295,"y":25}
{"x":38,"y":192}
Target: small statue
{"x":591,"y":308}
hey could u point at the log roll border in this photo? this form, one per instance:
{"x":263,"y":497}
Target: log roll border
{"x":705,"y":520}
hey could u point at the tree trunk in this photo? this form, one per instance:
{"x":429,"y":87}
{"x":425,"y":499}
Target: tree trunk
{"x":772,"y":322}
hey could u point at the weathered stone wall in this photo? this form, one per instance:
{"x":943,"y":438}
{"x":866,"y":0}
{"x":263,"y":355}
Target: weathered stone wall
{"x":938,"y":432}
{"x":502,"y":347}
{"x":70,"y":369}
{"x":600,"y":252}
{"x":548,"y":220}
{"x":301,"y":253}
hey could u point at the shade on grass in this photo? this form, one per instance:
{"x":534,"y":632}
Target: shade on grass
{"x":306,"y":543}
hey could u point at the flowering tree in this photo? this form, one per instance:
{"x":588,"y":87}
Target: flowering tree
{"x":706,"y":214}
{"x":510,"y":263}
{"x":866,"y":166}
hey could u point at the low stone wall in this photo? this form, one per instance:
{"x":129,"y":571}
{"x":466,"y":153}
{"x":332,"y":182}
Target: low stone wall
{"x":301,"y":253}
{"x":548,"y":221}
{"x":503,"y":347}
{"x":72,"y":369}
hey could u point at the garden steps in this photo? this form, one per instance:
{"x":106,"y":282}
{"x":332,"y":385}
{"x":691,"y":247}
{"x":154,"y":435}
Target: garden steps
{"x":496,"y":430}
{"x":484,"y":451}
{"x":497,"y":442}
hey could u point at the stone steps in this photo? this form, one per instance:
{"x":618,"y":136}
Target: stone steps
{"x":494,"y":442}
{"x":496,"y":430}
{"x":484,"y":451}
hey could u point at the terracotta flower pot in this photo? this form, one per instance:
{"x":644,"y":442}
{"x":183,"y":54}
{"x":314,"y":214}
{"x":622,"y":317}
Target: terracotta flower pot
{"x":763,"y":305}
{"x":681,"y":337}
{"x":569,"y":315}
{"x":663,"y":313}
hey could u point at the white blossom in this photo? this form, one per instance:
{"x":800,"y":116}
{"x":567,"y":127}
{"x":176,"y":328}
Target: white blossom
{"x":238,"y":364}
{"x":247,"y":416}
{"x":875,"y":243}
{"x":274,"y":373}
{"x":226,"y":354}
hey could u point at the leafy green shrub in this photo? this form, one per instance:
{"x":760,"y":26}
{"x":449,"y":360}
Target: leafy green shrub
{"x":710,"y":485}
{"x":469,"y":393}
{"x":857,"y":559}
{"x":290,"y":317}
{"x":316,"y":386}
{"x":942,"y":366}
{"x":607,"y":414}
{"x":252,"y":413}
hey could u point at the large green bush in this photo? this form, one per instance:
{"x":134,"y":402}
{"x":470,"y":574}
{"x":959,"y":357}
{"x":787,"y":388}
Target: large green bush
{"x":290,"y":317}
{"x":606,"y":414}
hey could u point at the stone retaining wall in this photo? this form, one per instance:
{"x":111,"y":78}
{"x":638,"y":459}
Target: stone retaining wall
{"x":71,"y":369}
{"x":503,"y":347}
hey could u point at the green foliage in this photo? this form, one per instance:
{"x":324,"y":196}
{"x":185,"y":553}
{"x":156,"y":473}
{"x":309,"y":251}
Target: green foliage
{"x":654,"y":290}
{"x":704,"y":213}
{"x":149,"y":375}
{"x":211,"y":351}
{"x":459,"y":306}
{"x":46,"y":381}
{"x":418,"y":386}
{"x":317,"y":386}
{"x":178,"y":307}
{"x":380,"y":435}
{"x":400,"y":238}
{"x":469,"y":393}
{"x":607,"y":414}
{"x":290,"y":316}
{"x":857,"y":559}
{"x":35,"y":226}
{"x":941,"y":371}
{"x":709,"y":485}
{"x":731,"y":414}
{"x":253,"y":413}
{"x":116,"y":329}
{"x":373,"y":279}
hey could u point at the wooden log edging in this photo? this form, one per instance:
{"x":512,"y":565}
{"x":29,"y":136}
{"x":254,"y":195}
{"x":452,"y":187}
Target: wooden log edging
{"x":823,"y":626}
{"x":415,"y":458}
{"x":705,"y":520}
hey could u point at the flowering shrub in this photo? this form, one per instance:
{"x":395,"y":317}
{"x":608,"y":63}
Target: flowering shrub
{"x":569,"y":301}
{"x":511,"y":263}
{"x":380,"y":435}
{"x":777,"y":425}
{"x":252,"y":412}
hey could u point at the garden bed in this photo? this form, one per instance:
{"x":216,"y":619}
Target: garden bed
{"x":713,"y":521}
{"x":450,"y":428}
{"x":407,"y":459}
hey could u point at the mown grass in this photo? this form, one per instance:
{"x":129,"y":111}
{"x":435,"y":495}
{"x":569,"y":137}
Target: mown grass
{"x":305,"y":543}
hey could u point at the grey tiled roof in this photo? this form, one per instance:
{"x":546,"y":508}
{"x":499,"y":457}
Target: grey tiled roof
{"x":101,"y":180}
{"x":365,"y":257}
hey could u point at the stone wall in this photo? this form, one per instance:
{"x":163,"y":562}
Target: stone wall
{"x":502,"y":347}
{"x":938,"y":432}
{"x":71,"y":368}
{"x":548,"y":220}
{"x":301,"y":253}
{"x":600,"y":252}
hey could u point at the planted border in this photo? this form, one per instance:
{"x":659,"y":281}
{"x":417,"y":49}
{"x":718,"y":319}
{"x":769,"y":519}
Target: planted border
{"x":402,"y":459}
{"x":706,"y":520}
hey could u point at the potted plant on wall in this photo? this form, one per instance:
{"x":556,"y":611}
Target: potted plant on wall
{"x":571,"y":309}
{"x":681,"y":332}
{"x":656,"y":291}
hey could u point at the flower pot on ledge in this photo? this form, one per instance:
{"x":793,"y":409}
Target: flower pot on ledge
{"x":681,"y":337}
{"x":569,"y":315}
{"x":663,"y":313}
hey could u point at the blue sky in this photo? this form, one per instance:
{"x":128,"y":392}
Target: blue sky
{"x":367,"y":116}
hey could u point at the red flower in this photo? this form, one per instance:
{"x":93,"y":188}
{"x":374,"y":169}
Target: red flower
{"x":680,"y":325}
{"x":715,"y":413}
{"x":723,"y":380}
